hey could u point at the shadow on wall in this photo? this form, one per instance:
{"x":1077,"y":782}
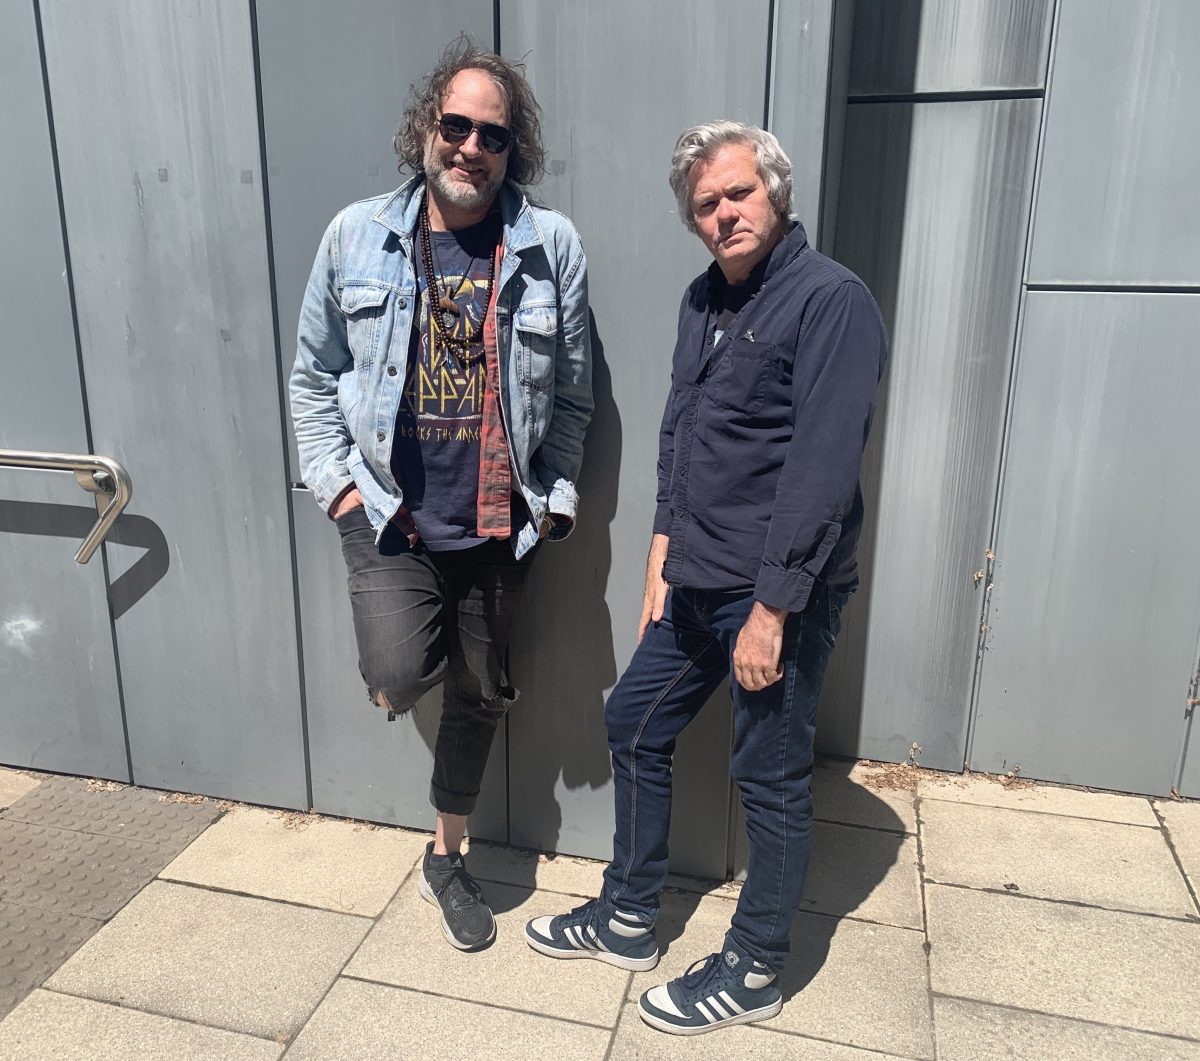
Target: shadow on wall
{"x":868,"y":238}
{"x":562,"y":649}
{"x":76,"y":521}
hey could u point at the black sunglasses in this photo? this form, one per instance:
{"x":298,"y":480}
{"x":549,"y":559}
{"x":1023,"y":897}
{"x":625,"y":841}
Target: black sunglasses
{"x":455,"y":128}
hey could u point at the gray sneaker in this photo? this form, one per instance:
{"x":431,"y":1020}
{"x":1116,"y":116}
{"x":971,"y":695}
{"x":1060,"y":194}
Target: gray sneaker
{"x":467,"y":922}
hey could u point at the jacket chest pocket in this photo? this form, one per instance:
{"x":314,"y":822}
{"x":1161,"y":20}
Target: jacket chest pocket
{"x":535,"y":332}
{"x":743,"y":375}
{"x":363,"y":306}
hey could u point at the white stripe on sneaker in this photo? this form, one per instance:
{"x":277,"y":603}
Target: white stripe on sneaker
{"x":621,"y":928}
{"x":705,"y":1014}
{"x":716,"y":1007}
{"x":724,"y":996}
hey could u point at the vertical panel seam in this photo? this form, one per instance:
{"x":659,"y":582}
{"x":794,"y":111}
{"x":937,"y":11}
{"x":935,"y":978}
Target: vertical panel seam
{"x":279,"y":394}
{"x":1009,"y":403}
{"x":820,"y":238}
{"x":769,"y":88}
{"x":83,"y":394}
{"x":496,"y":26}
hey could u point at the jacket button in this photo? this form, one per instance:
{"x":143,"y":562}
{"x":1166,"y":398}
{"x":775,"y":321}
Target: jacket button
{"x":391,"y":370}
{"x":403,"y":303}
{"x":381,"y":435}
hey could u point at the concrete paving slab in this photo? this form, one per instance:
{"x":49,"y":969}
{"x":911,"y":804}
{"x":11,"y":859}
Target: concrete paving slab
{"x":1072,"y":961}
{"x":837,"y":987}
{"x":1048,"y":799}
{"x":109,"y":809}
{"x":1123,"y":867}
{"x":229,"y":961}
{"x":637,"y":1041}
{"x":407,"y":949}
{"x":531,"y":870}
{"x":1183,"y":826}
{"x":338,"y":865}
{"x":371,"y":1022}
{"x":14,"y":784}
{"x":862,"y":794}
{"x":972,"y":1031}
{"x":33,"y":943}
{"x":74,"y":873}
{"x":869,"y":874}
{"x":50,"y":1027}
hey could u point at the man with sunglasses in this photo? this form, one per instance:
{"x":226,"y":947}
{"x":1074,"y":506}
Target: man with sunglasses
{"x":440,"y":395}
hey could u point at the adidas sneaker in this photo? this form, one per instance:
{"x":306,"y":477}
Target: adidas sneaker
{"x":725,"y":988}
{"x":596,"y":930}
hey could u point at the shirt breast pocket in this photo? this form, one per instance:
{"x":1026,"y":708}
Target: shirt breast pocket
{"x":536,"y":331}
{"x":363,"y":306}
{"x":742,"y":376}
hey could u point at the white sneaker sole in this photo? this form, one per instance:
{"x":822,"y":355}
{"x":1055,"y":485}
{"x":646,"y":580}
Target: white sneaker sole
{"x":426,"y":893}
{"x":634,"y":965}
{"x":764,"y":1013}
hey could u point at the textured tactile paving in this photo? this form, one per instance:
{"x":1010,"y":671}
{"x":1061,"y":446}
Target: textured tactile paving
{"x":127,"y":812}
{"x":33,"y":943}
{"x":68,"y":872}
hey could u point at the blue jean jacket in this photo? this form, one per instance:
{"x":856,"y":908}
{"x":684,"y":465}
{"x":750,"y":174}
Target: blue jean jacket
{"x":353,"y":344}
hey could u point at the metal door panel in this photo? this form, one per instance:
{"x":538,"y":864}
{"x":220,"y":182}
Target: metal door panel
{"x":1189,"y":783}
{"x":59,"y":703}
{"x":1116,"y":199}
{"x":158,"y":140}
{"x":362,"y":765}
{"x":1093,"y":623}
{"x":804,"y":104}
{"x":918,"y":46}
{"x":335,"y":79}
{"x":618,"y":83}
{"x":934,"y":207}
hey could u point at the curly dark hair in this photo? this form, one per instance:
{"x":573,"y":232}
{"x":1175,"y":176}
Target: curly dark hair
{"x":526,"y":157}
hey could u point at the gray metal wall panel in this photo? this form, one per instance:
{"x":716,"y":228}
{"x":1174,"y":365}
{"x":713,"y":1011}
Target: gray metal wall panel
{"x":1121,"y":165}
{"x":1094,"y":612}
{"x":158,"y":138}
{"x":799,"y":99}
{"x":636,"y":76}
{"x":914,"y":46}
{"x":59,"y":707}
{"x":1189,"y":782}
{"x":362,"y":765}
{"x":935,"y":200}
{"x":335,"y":78}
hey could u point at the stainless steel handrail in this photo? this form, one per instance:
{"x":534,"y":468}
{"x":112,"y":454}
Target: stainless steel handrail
{"x":98,"y":475}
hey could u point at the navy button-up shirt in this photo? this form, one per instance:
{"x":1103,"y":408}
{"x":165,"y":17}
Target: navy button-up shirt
{"x":764,"y":431}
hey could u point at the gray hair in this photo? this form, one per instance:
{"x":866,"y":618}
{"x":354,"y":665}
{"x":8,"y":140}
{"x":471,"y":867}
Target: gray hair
{"x":702,"y":142}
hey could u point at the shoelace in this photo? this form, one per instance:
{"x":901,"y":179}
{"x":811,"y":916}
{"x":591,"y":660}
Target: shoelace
{"x":467,"y":891}
{"x":585,"y":914}
{"x":701,"y":974}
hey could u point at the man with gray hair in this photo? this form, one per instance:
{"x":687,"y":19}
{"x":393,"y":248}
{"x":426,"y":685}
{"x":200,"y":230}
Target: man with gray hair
{"x":778,"y":358}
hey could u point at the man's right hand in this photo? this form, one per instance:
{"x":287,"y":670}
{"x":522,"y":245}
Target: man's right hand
{"x":655,"y":599}
{"x":350,"y":499}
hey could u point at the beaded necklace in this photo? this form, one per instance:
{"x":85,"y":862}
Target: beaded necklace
{"x":443,"y":310}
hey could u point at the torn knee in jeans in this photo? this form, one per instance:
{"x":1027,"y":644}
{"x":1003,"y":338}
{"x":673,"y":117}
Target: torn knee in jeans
{"x":381,"y":698}
{"x":499,"y":704}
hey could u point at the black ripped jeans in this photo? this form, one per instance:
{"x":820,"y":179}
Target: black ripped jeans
{"x":424,"y":617}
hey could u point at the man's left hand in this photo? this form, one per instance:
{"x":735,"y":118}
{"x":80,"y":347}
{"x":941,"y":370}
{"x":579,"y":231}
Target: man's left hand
{"x":759,"y":644}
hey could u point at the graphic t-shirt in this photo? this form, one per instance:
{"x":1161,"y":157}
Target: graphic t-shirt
{"x":435,"y":455}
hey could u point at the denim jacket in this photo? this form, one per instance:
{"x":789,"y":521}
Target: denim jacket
{"x":353,"y":346}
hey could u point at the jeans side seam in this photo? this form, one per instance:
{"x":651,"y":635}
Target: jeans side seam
{"x":788,"y":699}
{"x":674,"y":681}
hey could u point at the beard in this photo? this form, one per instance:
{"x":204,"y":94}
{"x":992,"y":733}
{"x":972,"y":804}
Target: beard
{"x":459,"y":193}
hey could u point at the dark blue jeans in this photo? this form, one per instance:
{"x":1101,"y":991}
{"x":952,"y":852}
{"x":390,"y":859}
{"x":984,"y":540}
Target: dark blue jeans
{"x":675,"y":669}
